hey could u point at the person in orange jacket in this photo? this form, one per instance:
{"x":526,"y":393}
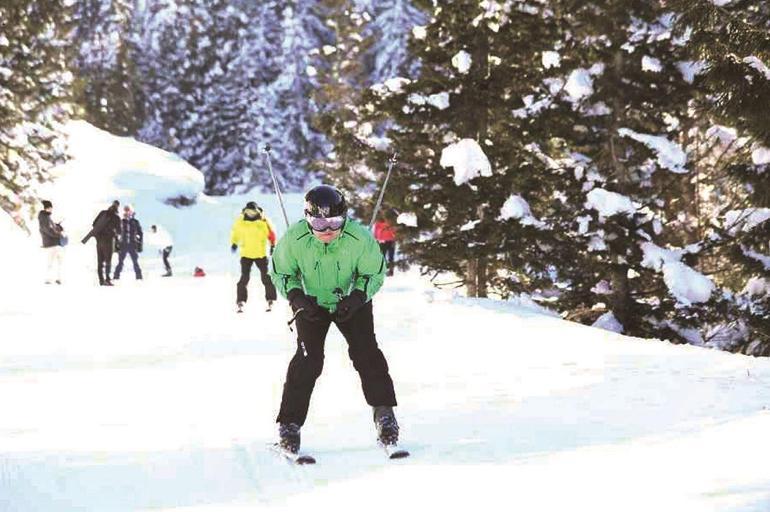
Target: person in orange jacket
{"x":385,"y":234}
{"x":252,"y":232}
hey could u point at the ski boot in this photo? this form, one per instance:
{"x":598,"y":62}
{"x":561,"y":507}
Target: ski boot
{"x":240,"y":307}
{"x":288,"y":434}
{"x":387,"y":426}
{"x":269,"y":305}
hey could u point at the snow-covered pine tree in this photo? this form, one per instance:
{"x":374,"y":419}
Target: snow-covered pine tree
{"x":286,"y":109}
{"x":477,"y":65}
{"x":629,"y":98}
{"x":731,"y":40}
{"x":391,"y":25}
{"x":105,"y":86}
{"x":338,"y":96}
{"x":34,"y":95}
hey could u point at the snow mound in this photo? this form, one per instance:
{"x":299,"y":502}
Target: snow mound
{"x":468,"y":160}
{"x":608,"y":322}
{"x":516,"y":207}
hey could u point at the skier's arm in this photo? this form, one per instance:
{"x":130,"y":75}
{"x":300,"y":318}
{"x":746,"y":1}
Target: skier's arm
{"x":371,"y":269}
{"x":47,"y":226}
{"x":284,"y":270}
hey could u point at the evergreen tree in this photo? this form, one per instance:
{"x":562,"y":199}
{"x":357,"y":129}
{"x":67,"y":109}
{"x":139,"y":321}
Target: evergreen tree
{"x":731,"y":40}
{"x":34,"y":93}
{"x":106,"y":87}
{"x":390,"y":29}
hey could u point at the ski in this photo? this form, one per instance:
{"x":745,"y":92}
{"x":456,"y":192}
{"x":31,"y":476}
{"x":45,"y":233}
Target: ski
{"x":394,"y":452}
{"x":294,"y":458}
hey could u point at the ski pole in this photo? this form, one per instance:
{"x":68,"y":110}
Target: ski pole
{"x":275,"y":184}
{"x":382,"y":192}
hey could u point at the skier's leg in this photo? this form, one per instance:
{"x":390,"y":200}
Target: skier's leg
{"x":121,"y":258}
{"x":135,"y":261}
{"x":303,"y":370}
{"x":50,"y":253}
{"x":368,"y":359}
{"x":242,"y":290}
{"x":99,"y":263}
{"x":270,"y":293}
{"x":166,"y":254}
{"x":58,"y":262}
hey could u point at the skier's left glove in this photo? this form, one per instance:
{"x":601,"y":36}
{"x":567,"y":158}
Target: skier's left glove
{"x":272,"y":248}
{"x":348,"y":306}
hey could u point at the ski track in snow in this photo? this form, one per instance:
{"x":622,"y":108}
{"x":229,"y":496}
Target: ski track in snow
{"x":498,"y":405}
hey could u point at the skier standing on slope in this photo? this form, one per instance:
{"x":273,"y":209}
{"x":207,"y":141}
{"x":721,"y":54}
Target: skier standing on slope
{"x":159,"y":239}
{"x":52,"y":234}
{"x":329,"y":267}
{"x":131,"y":242}
{"x":105,"y":228}
{"x":385,"y":234}
{"x":252,"y":232}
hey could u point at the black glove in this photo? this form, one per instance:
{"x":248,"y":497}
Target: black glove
{"x":348,"y":306}
{"x":311,"y":311}
{"x":234,"y":247}
{"x":272,"y":248}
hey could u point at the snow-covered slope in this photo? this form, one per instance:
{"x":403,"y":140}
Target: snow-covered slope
{"x":155,"y":395}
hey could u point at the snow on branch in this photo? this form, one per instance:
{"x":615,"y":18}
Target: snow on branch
{"x":609,"y":203}
{"x":670,"y":155}
{"x":468,"y":160}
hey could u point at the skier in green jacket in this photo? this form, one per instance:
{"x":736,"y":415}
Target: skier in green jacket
{"x":329,"y":267}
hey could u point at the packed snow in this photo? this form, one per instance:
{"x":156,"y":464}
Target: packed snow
{"x":468,"y":160}
{"x":156,"y":395}
{"x":670,"y":155}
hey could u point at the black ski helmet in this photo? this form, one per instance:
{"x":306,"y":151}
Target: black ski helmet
{"x":325,"y":201}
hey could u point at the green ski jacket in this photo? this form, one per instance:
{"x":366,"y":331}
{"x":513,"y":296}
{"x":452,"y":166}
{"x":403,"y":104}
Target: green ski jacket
{"x":328,"y":271}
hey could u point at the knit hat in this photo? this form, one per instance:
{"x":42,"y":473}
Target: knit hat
{"x":47,"y":204}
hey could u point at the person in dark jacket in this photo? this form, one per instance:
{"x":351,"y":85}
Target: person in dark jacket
{"x":105,"y":228}
{"x":131,"y":242}
{"x":51,"y":234}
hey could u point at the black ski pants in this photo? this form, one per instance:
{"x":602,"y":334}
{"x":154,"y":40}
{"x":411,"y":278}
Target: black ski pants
{"x":242,"y":290}
{"x":165,"y":254}
{"x":368,"y":360}
{"x":104,"y":248}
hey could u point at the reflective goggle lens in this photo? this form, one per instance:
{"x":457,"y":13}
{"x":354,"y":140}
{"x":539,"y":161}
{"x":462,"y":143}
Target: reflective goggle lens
{"x":325,"y":223}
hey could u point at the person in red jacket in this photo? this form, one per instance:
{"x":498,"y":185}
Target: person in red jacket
{"x":385,"y":234}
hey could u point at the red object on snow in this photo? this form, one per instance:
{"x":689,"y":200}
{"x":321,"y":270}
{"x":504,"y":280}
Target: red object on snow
{"x":384,"y":231}
{"x":199,"y":272}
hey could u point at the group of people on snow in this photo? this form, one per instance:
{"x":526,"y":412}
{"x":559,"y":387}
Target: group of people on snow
{"x":328,"y":267}
{"x":112,"y":234}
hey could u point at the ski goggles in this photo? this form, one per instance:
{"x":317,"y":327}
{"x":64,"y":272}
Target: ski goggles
{"x":325,"y":223}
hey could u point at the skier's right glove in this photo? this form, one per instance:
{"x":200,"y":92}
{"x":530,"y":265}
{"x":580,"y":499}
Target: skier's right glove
{"x":234,"y":247}
{"x":304,"y":305}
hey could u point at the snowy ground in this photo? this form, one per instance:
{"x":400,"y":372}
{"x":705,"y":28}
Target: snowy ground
{"x":155,"y":395}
